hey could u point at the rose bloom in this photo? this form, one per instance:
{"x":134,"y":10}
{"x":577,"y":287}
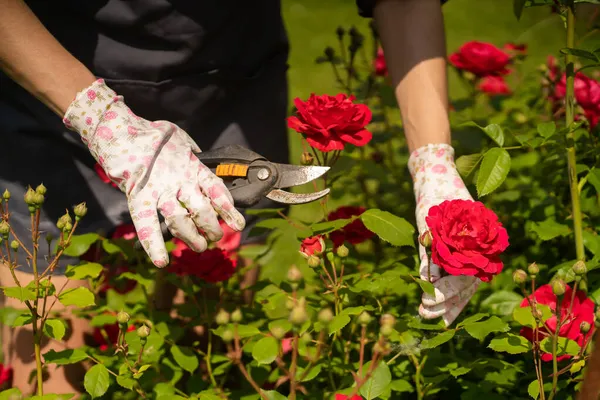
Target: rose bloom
{"x":582,"y":310}
{"x":312,"y":245}
{"x":231,"y":239}
{"x":379,"y":63}
{"x":212,"y":265}
{"x":493,"y":85}
{"x":467,"y":238}
{"x":112,"y":332}
{"x":346,"y":397}
{"x":481,"y":59}
{"x":515,"y":49}
{"x":6,"y":375}
{"x":355,"y":232}
{"x":329,"y":122}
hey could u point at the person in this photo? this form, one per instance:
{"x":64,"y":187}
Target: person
{"x":139,"y":86}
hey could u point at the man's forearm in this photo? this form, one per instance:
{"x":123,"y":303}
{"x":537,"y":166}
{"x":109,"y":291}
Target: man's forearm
{"x":413,"y":39}
{"x":34,"y":59}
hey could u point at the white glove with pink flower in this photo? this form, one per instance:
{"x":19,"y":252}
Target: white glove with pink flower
{"x":435,"y":180}
{"x":153,"y":163}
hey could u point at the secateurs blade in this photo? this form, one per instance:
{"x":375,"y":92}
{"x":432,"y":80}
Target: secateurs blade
{"x":250,"y":176}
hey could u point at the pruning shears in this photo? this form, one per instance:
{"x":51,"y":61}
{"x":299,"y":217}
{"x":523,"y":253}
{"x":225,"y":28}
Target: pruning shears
{"x":250,"y":176}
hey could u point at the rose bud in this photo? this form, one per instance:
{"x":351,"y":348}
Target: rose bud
{"x":278,"y":332}
{"x":520,"y":118}
{"x":306,"y":338}
{"x":579,"y":268}
{"x":387,"y":319}
{"x":342,"y":251}
{"x":80,"y":210}
{"x":294,"y":274}
{"x":41,"y":189}
{"x":227,"y":335}
{"x":426,"y":239}
{"x":314,"y":261}
{"x":340,"y":32}
{"x":4,"y":229}
{"x":298,"y":315}
{"x":289,"y":304}
{"x":236,"y":316}
{"x":38,"y":199}
{"x":585,"y":327}
{"x":14,"y":245}
{"x":329,"y":53}
{"x":325,"y":316}
{"x":364,"y":318}
{"x":6,"y":195}
{"x":386,"y":330}
{"x":122,"y":317}
{"x":307,"y":158}
{"x":222,"y":317}
{"x":29,"y":197}
{"x":559,"y":287}
{"x":143,"y":332}
{"x":533,"y":269}
{"x":520,"y":277}
{"x":312,"y":246}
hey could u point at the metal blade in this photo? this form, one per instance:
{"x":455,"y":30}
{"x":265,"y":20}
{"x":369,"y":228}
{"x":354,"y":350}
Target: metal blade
{"x":281,"y":196}
{"x":294,"y":175}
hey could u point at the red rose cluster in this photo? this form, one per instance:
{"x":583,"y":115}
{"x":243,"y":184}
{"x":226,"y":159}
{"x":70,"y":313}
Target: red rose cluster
{"x":587,"y":92}
{"x":330,"y":122}
{"x":581,"y":311}
{"x":467,"y":238}
{"x":355,"y":232}
{"x":488,"y":63}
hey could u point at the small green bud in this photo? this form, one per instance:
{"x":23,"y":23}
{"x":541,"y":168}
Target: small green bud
{"x":533,"y":269}
{"x":329,"y":53}
{"x":342,"y":251}
{"x":68,"y":227}
{"x":222,"y":317}
{"x":520,"y":277}
{"x":364,"y":318}
{"x":325,"y":316}
{"x":49,"y":238}
{"x":289,"y":304}
{"x":340,"y":32}
{"x":377,"y":348}
{"x":63,"y":221}
{"x":579,"y":268}
{"x":236,"y":316}
{"x":387,"y":319}
{"x":559,"y":287}
{"x":314,"y":261}
{"x":585,"y":327}
{"x":143,"y":332}
{"x":386,"y":330}
{"x":294,"y":274}
{"x":278,"y":332}
{"x":307,"y":159}
{"x":426,"y":239}
{"x":122,"y":317}
{"x":80,"y":210}
{"x":520,"y":118}
{"x":6,"y":195}
{"x":38,"y":199}
{"x":306,"y":338}
{"x":32,"y":209}
{"x":14,"y":245}
{"x":469,"y":76}
{"x":227,"y":335}
{"x":41,"y":189}
{"x":29,"y":197}
{"x":298,"y":315}
{"x":4,"y":228}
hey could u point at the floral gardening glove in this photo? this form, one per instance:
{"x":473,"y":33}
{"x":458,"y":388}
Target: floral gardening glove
{"x":153,"y":163}
{"x":435,"y":180}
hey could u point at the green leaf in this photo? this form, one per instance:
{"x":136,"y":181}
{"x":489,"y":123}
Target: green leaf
{"x":392,"y":229}
{"x":472,"y":318}
{"x":338,"y":323}
{"x":96,"y":380}
{"x":467,"y":164}
{"x":322,"y":228}
{"x":518,"y":6}
{"x":80,"y":297}
{"x":55,"y":328}
{"x":185,"y":358}
{"x":524,"y":315}
{"x":509,"y":343}
{"x":265,"y":350}
{"x":479,"y":330}
{"x":145,"y":282}
{"x":534,"y":389}
{"x":493,"y":131}
{"x":546,"y":129}
{"x":103,"y":319}
{"x":426,"y":287}
{"x":563,"y":346}
{"x":581,"y":54}
{"x":379,"y":381}
{"x":577,"y":366}
{"x":494,"y":169}
{"x":274,"y":395}
{"x":549,"y":229}
{"x":22,"y":320}
{"x":141,"y":371}
{"x":438,"y":339}
{"x":312,"y":374}
{"x":243,"y":331}
{"x":502,"y":302}
{"x":71,"y":356}
{"x":11,"y":394}
{"x":20,"y":293}
{"x":83,"y":271}
{"x":401,"y":385}
{"x":428,"y":325}
{"x":80,"y":244}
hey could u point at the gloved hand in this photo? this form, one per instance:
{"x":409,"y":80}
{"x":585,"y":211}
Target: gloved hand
{"x":435,"y":179}
{"x":153,"y":163}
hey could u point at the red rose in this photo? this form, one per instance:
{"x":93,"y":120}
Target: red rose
{"x":102,"y":174}
{"x":112,"y":335}
{"x":212,"y":265}
{"x":312,"y":245}
{"x":582,"y":310}
{"x":231,"y":239}
{"x":587,"y":94}
{"x":515,"y":49}
{"x":379,"y":64}
{"x":494,"y":85}
{"x":6,"y":375}
{"x":481,"y":59}
{"x":355,"y":232}
{"x":467,"y":238}
{"x":124,"y":231}
{"x":329,"y":122}
{"x":345,"y":397}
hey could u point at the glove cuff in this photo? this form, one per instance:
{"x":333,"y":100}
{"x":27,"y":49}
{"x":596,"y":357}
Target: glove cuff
{"x":431,"y":154}
{"x":89,"y":109}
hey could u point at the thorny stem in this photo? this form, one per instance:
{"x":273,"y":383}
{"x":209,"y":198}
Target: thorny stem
{"x":311,"y":363}
{"x":238,"y":361}
{"x":293,"y":381}
{"x":363,"y":340}
{"x":37,"y":330}
{"x":375,"y":359}
{"x":418,"y":369}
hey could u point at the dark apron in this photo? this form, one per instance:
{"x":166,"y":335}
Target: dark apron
{"x":216,"y":68}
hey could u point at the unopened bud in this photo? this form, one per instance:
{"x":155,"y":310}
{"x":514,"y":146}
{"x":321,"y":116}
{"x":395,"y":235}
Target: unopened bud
{"x":122,"y":317}
{"x":236,"y":316}
{"x":307,"y":159}
{"x":329,"y":53}
{"x":426,"y":239}
{"x":533,"y":269}
{"x":29,"y":197}
{"x":559,"y":287}
{"x":340,"y":32}
{"x":520,"y":277}
{"x":227,"y":335}
{"x":306,"y":338}
{"x":222,"y":317}
{"x":386,"y":330}
{"x":325,"y":316}
{"x":314,"y":261}
{"x":298,"y":315}
{"x":542,"y":68}
{"x":143,"y":332}
{"x":41,"y":189}
{"x":6,"y":194}
{"x":387,"y":319}
{"x":63,"y":221}
{"x":520,"y":118}
{"x":537,"y":313}
{"x":579,"y":268}
{"x":469,"y":76}
{"x":364,"y":318}
{"x":585,"y":327}
{"x":4,"y":229}
{"x":49,"y":238}
{"x":377,"y":348}
{"x":68,"y":227}
{"x":80,"y":210}
{"x":14,"y":245}
{"x":38,"y":199}
{"x":289,"y":304}
{"x":342,"y":251}
{"x":278,"y":332}
{"x":294,"y":274}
